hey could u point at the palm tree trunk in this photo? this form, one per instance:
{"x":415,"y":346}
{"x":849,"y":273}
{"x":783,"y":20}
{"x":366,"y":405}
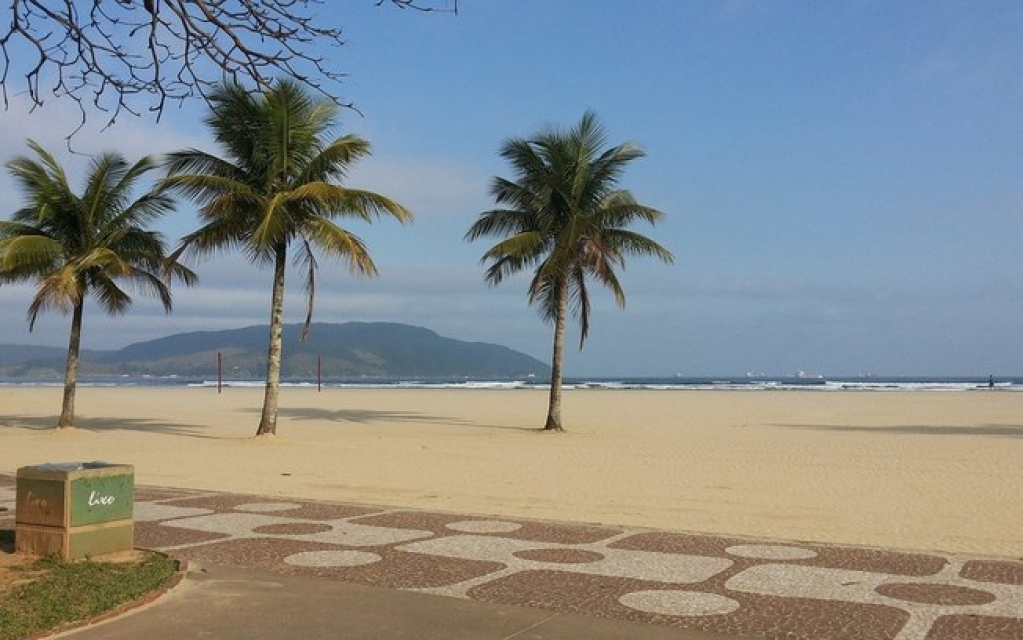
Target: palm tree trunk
{"x":554,"y":406}
{"x":268,"y":419}
{"x":67,"y":411}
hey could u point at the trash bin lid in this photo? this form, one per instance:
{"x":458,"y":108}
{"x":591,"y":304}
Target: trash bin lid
{"x":72,"y":466}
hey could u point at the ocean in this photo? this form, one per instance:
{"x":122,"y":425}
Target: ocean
{"x":673,"y":383}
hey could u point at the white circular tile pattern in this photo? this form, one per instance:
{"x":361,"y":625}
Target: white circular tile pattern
{"x":332,"y":558}
{"x":679,"y":603}
{"x":484,"y":526}
{"x":266,"y":507}
{"x":770,"y":552}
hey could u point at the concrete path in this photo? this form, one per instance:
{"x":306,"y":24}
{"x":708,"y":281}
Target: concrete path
{"x":400,"y":571}
{"x":228,"y":603}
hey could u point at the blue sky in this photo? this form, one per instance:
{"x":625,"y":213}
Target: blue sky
{"x":842,"y":181}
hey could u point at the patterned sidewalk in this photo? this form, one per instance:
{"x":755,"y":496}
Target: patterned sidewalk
{"x":745,"y":587}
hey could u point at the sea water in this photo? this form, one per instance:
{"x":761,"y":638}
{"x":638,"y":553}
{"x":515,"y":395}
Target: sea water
{"x":672,"y":383}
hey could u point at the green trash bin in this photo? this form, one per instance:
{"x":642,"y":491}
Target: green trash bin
{"x":75,"y":510}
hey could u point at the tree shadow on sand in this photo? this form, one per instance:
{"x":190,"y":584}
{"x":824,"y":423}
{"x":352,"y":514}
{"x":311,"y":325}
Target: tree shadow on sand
{"x":367,"y":416}
{"x":991,"y":430}
{"x":100,"y":423}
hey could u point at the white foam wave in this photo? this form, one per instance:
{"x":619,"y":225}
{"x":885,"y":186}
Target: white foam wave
{"x":1014,"y":384}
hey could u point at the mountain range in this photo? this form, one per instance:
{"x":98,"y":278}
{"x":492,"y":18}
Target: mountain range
{"x":353,"y":349}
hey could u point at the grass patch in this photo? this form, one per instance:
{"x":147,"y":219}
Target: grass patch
{"x":69,"y":591}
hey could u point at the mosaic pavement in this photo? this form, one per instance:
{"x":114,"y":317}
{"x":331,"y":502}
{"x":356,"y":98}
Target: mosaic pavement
{"x":745,"y":587}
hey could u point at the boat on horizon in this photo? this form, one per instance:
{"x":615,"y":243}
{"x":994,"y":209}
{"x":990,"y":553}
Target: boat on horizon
{"x":802,"y":375}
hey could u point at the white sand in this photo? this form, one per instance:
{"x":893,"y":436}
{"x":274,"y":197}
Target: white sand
{"x":907,"y":470}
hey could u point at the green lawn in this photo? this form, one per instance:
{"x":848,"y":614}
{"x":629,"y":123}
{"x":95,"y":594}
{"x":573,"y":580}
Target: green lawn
{"x":66,"y":592}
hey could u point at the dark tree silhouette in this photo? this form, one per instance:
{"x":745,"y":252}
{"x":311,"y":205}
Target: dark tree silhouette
{"x":120,"y":56}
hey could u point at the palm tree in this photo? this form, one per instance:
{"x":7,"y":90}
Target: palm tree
{"x":278,"y":183}
{"x":565,"y":215}
{"x":80,"y":245}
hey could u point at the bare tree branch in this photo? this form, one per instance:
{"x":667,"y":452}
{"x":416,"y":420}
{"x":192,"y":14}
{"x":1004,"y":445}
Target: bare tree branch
{"x":418,"y":5}
{"x":130,"y":56}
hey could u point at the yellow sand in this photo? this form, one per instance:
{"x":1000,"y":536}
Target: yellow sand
{"x":906,"y":470}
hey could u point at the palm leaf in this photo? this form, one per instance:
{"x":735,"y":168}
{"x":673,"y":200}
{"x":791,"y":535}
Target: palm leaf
{"x":275,"y":180}
{"x":563,"y":214}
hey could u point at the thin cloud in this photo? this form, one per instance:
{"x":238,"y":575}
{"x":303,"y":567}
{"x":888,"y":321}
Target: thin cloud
{"x":429,"y":186}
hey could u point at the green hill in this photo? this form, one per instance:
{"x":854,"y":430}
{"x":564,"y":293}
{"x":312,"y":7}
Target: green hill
{"x":353,"y":349}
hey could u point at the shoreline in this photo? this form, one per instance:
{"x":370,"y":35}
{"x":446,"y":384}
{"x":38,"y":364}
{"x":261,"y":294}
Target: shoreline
{"x":677,"y":382}
{"x":935,"y":471}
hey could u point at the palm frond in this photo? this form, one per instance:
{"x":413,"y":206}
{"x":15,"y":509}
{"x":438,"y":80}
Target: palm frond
{"x":111,"y":298}
{"x":620,"y":209}
{"x":579,"y":302}
{"x":564,"y":213}
{"x":499,"y":222}
{"x":175,"y":271}
{"x":513,"y":254}
{"x":235,"y":119}
{"x":198,"y":162}
{"x":60,"y":289}
{"x":544,"y":293}
{"x":209,"y":240}
{"x":332,"y":162}
{"x":205,"y":188}
{"x":149,"y":283}
{"x":103,"y":259}
{"x":367,"y":205}
{"x":628,"y":242}
{"x":102,"y":196}
{"x":27,"y":256}
{"x":306,"y":258}
{"x":79,"y":245}
{"x":341,"y":244}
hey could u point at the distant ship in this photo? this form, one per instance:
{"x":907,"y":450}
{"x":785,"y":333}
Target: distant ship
{"x":802,"y":375}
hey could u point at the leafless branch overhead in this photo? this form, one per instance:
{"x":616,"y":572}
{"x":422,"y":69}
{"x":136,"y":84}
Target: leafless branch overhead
{"x":132,"y":56}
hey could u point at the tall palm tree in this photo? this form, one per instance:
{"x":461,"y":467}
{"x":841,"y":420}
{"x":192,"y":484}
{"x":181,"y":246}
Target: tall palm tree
{"x":565,"y":215}
{"x":277,"y":184}
{"x":75,"y":246}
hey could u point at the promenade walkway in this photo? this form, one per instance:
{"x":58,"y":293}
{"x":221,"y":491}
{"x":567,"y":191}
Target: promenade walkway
{"x":671,"y":582}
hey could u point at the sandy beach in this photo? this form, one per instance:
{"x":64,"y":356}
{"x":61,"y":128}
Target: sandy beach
{"x":936,"y":471}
